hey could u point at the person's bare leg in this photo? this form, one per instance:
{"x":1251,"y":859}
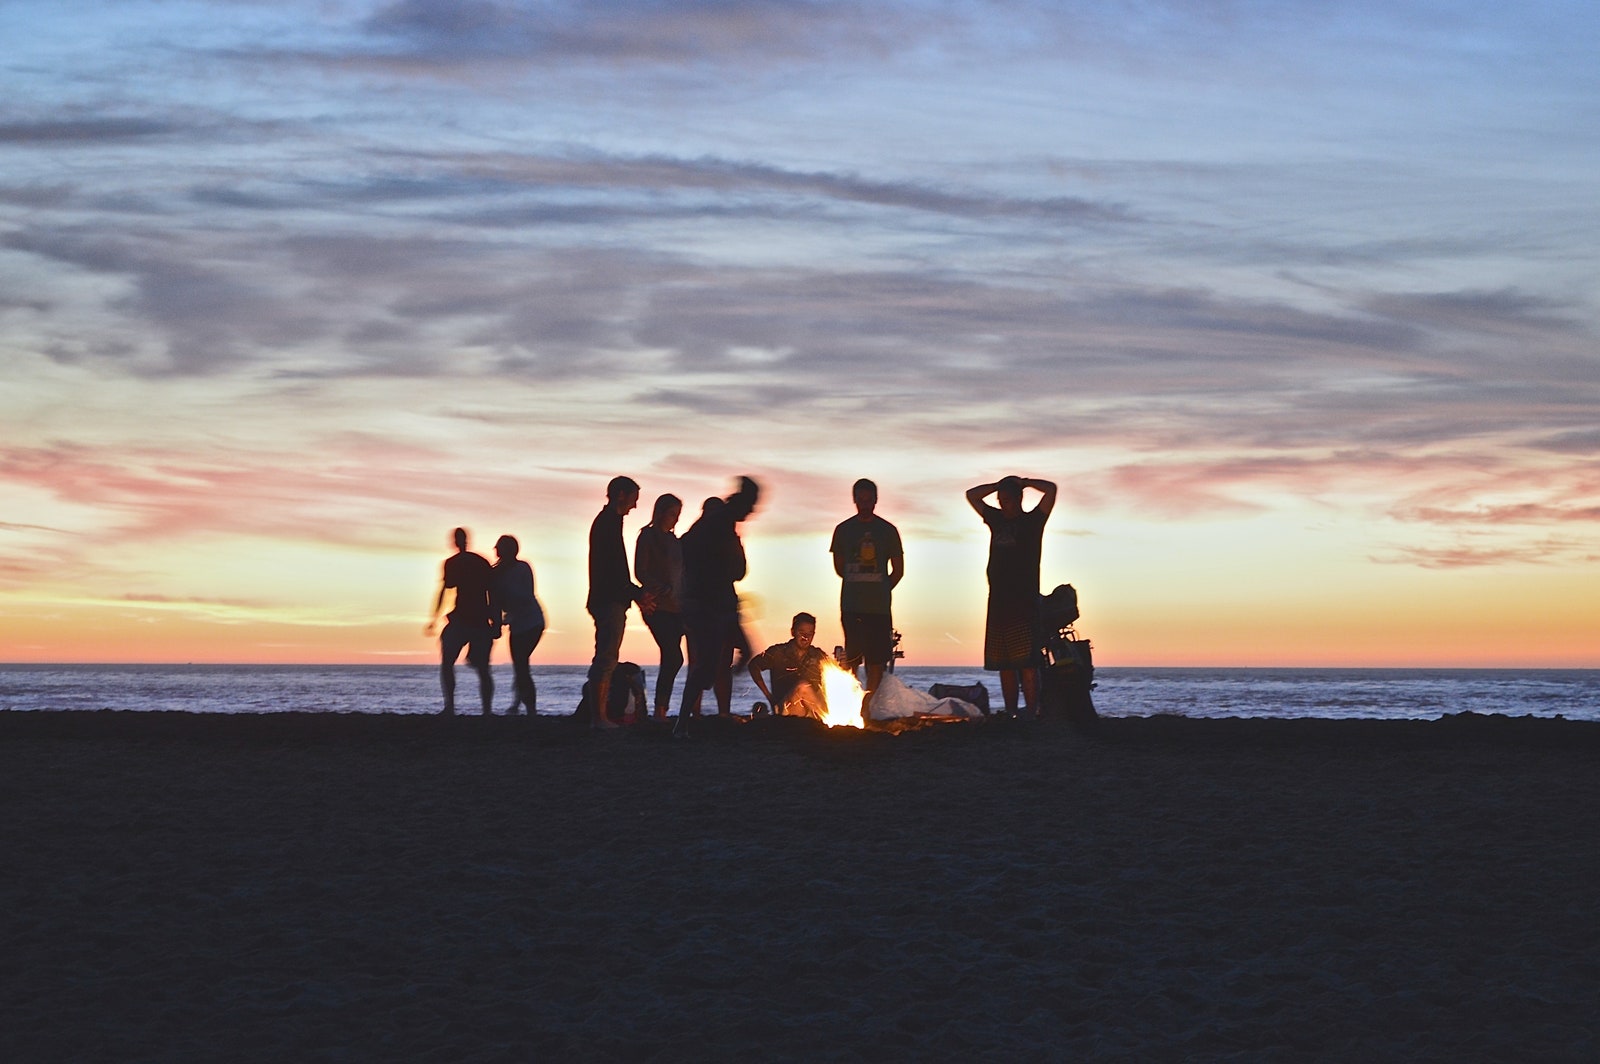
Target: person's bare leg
{"x":602,"y":698}
{"x":1008,"y":689}
{"x":723,"y":688}
{"x":486,"y":688}
{"x":1030,"y":692}
{"x":447,"y":682}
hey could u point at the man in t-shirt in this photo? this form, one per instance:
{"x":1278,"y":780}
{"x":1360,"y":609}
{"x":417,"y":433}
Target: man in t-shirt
{"x":869,"y":561}
{"x":796,"y":668}
{"x":473,"y":623}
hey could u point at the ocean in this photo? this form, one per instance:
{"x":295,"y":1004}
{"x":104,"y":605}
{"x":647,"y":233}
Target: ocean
{"x":1394,"y":694}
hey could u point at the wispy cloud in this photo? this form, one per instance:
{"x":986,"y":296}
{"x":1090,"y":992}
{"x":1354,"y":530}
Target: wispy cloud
{"x":1542,"y":552}
{"x":95,"y":131}
{"x":633,"y":31}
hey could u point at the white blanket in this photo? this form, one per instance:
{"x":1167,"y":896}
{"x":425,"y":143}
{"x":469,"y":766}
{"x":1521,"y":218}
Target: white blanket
{"x":894,"y":700}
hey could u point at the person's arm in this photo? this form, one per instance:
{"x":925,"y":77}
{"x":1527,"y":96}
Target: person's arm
{"x":895,"y":564}
{"x":433,"y":617}
{"x":497,"y":609}
{"x":648,"y":563}
{"x":649,"y":568}
{"x":758,"y":663}
{"x":1048,"y":489}
{"x":975,"y":496}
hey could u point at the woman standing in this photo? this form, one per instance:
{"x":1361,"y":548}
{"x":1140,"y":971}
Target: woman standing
{"x":524,"y":618}
{"x":658,"y":566}
{"x":1011,"y":640}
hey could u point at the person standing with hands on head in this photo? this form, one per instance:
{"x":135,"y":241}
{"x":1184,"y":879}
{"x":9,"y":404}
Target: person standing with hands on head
{"x":611,"y":591}
{"x":472,"y":623}
{"x":869,"y":560}
{"x":1011,"y":637}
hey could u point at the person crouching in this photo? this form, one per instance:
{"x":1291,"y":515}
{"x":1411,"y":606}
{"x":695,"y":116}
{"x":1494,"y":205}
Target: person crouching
{"x":796,"y":670}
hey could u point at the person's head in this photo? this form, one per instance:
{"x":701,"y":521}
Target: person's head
{"x":1008,"y":493}
{"x":505,"y":548}
{"x":865,"y":494}
{"x":742,"y":503}
{"x":459,"y":538}
{"x":804,"y":629}
{"x":665,"y":514}
{"x":622,"y":494}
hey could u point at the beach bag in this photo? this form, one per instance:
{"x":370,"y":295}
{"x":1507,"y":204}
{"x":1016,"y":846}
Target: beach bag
{"x":975,"y":693}
{"x":627,"y":694}
{"x":1067,"y":682}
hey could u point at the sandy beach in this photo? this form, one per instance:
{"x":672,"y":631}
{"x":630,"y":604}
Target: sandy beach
{"x":317,"y":887}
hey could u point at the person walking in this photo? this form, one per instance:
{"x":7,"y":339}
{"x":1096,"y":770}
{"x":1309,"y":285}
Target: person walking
{"x":473,"y":622}
{"x":713,"y":561}
{"x":524,"y":619}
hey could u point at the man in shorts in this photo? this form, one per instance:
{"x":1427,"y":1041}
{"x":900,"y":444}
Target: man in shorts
{"x":473,"y":623}
{"x":868,"y":558}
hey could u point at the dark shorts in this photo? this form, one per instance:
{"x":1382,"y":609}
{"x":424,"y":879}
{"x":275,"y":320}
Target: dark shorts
{"x":868,"y":637}
{"x":477,"y":642}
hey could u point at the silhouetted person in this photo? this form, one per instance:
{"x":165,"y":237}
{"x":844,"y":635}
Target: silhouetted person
{"x":796,"y":668}
{"x":524,"y":619}
{"x":713,"y":561}
{"x":1011,"y":637}
{"x":658,"y":565}
{"x":611,"y":591}
{"x":473,"y":622}
{"x":868,"y":558}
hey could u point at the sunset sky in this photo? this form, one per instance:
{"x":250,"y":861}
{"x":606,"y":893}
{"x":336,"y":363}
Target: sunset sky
{"x":1298,"y":302}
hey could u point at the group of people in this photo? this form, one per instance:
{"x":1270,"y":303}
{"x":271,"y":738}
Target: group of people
{"x":685,"y":589}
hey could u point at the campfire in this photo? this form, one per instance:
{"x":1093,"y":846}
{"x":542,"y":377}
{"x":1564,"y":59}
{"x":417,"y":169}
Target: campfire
{"x":843,"y":694}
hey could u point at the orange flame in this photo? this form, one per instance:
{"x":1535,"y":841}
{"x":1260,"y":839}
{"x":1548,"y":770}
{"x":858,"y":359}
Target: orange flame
{"x":844,"y":696}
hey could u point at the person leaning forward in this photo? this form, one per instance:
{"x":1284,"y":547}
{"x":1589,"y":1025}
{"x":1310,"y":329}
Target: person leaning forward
{"x":869,"y":560}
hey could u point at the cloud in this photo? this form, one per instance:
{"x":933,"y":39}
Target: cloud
{"x":1579,"y":442}
{"x":212,"y":315}
{"x":680,"y":32}
{"x":87,"y":132}
{"x":1503,"y":311}
{"x":725,"y":177}
{"x":1527,"y":513}
{"x":37,"y":196}
{"x":1543,"y":552}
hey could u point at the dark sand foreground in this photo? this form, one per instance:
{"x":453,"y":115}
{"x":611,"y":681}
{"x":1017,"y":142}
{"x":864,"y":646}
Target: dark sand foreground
{"x":302,"y":887}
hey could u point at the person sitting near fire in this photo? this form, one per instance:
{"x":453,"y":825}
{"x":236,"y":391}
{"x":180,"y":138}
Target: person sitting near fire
{"x":796,"y":668}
